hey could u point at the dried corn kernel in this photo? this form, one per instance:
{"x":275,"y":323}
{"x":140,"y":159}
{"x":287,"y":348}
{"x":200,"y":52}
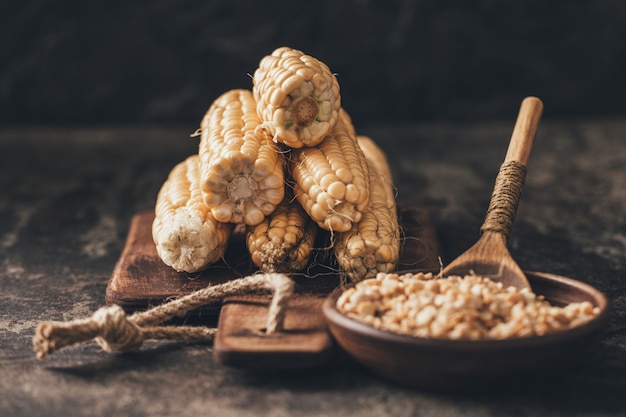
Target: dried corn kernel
{"x":454,"y":307}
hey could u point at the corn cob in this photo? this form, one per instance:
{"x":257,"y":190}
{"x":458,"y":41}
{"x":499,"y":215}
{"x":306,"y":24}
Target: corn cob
{"x":331,"y":180}
{"x":283,"y":242}
{"x":242,"y":172}
{"x":372,"y":245}
{"x":186,"y":235}
{"x":297,"y":97}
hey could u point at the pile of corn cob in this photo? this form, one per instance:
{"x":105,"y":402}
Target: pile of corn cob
{"x":285,"y":160}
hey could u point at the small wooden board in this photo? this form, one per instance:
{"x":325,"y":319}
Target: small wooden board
{"x":241,"y":342}
{"x":141,"y":280}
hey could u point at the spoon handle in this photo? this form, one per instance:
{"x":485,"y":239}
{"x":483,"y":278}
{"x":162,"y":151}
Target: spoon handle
{"x":524,"y":131}
{"x":510,"y":180}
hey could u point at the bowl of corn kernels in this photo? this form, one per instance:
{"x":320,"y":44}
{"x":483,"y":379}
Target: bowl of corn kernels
{"x":424,"y":330}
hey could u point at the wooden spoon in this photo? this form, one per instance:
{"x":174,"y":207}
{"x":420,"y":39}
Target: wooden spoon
{"x":489,"y":256}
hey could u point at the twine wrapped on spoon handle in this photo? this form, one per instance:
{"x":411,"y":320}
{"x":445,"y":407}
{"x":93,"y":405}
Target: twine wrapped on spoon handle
{"x":505,"y":198}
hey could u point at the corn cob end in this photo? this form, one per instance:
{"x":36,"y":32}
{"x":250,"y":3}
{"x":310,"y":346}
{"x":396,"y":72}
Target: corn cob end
{"x":186,"y":243}
{"x":283,"y":242}
{"x":241,"y":170}
{"x":297,"y":97}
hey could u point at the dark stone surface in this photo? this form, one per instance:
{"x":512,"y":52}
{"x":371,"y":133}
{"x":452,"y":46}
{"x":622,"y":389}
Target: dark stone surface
{"x":67,"y":196}
{"x":164,"y":61}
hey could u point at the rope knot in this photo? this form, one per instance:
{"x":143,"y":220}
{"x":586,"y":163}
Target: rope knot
{"x":117,"y":333}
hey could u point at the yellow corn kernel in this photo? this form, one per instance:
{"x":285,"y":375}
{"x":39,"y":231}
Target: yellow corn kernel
{"x":332,"y":180}
{"x":283,"y":242}
{"x":297,"y":97}
{"x":186,"y":235}
{"x":242,"y":170}
{"x":372,"y":245}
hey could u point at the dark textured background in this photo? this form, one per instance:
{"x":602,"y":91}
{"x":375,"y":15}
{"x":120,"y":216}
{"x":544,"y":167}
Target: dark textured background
{"x":163,"y":61}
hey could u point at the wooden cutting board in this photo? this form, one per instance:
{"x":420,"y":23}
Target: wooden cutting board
{"x":141,"y":280}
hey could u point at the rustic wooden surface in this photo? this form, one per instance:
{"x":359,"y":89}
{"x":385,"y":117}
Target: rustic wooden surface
{"x":68,"y":196}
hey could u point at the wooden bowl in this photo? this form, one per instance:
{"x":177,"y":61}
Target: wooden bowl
{"x":466,"y":364}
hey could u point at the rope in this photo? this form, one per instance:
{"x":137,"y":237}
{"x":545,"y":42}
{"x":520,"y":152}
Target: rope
{"x":505,"y":198}
{"x":115,"y":331}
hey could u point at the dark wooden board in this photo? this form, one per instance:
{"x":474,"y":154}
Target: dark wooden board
{"x":304,"y":342}
{"x":140,"y":280}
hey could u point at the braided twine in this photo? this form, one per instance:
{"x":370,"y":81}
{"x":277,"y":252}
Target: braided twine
{"x":115,"y":331}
